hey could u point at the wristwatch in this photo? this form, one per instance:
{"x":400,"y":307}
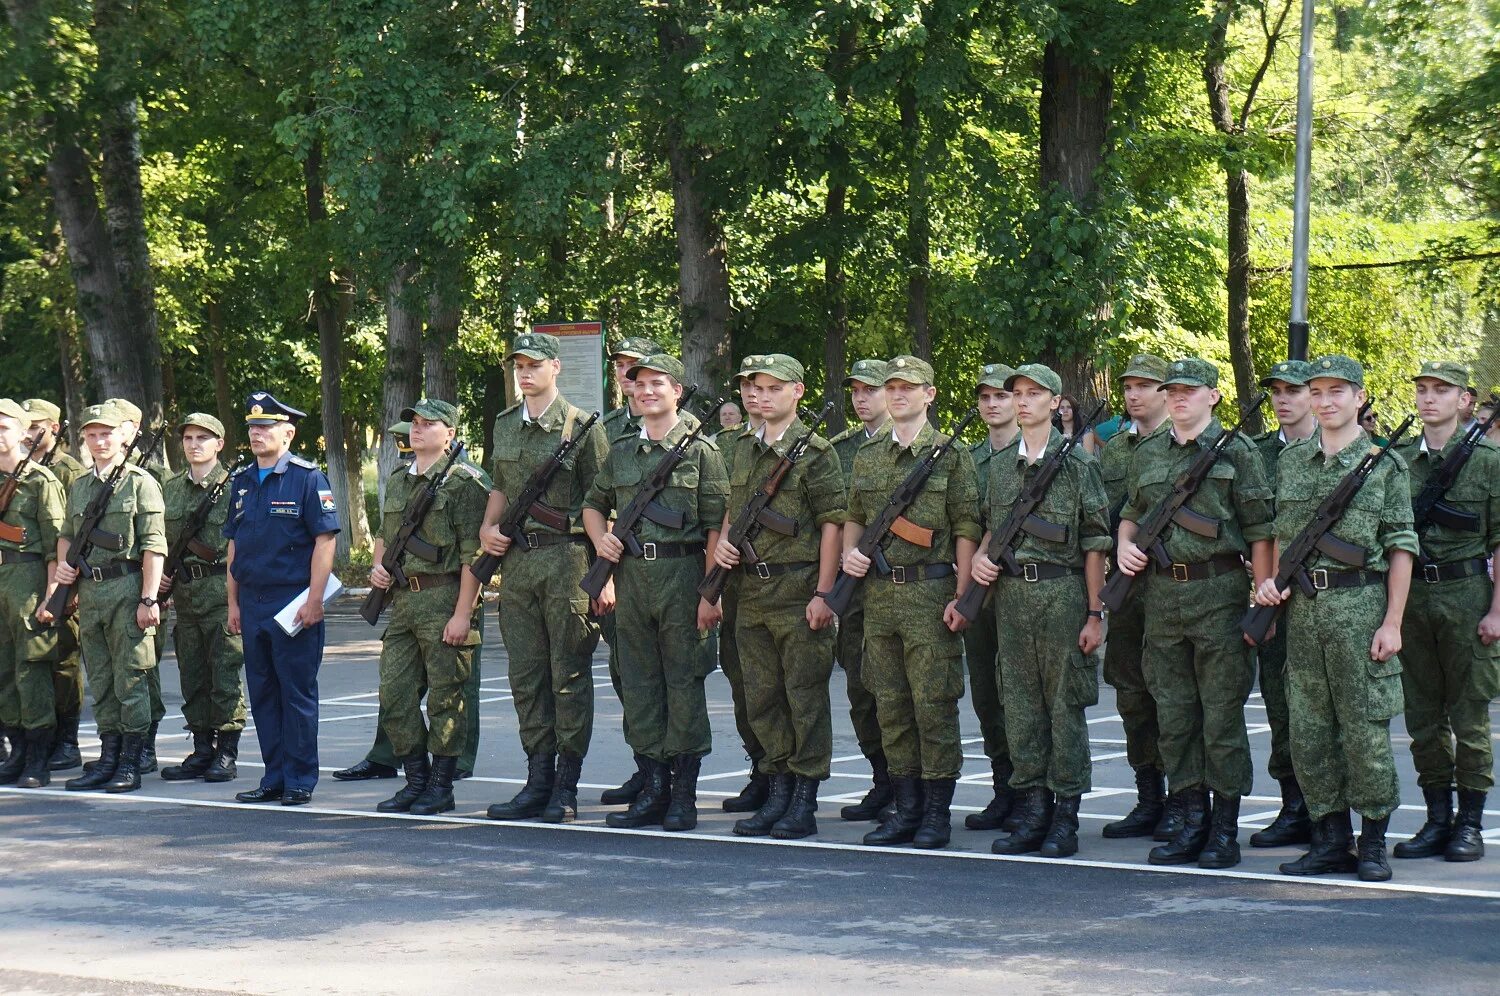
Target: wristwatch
{"x":1096,"y":613}
{"x":149,"y":602}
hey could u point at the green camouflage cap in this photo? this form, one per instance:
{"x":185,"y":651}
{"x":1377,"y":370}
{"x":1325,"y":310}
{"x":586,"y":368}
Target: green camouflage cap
{"x":994,"y":375}
{"x":1193,"y":372}
{"x":399,"y":428}
{"x":635,"y":348}
{"x":1447,"y":371}
{"x":1038,"y":372}
{"x":868,"y":372}
{"x":746,"y":365}
{"x":42,"y":410}
{"x":1339,"y":367}
{"x":536,"y":345}
{"x":202,"y":420}
{"x":433,"y":410}
{"x":105,"y":414}
{"x":128,"y":410}
{"x":778,"y":365}
{"x":910,"y":369}
{"x":1288,"y":372}
{"x":661,"y":363}
{"x":1147,"y":366}
{"x":13,"y":409}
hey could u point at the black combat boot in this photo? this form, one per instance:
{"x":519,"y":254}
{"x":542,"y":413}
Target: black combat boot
{"x":991,"y":817}
{"x":650,"y":805}
{"x":1373,"y":867}
{"x":1172,"y":817}
{"x":1223,"y":847}
{"x":682,"y":813}
{"x":1033,"y":818}
{"x":65,"y":745}
{"x":901,"y":826}
{"x":1330,"y":852}
{"x":417,"y":771}
{"x":753,"y":795}
{"x":197,"y":762}
{"x":541,"y":773}
{"x":877,"y":798}
{"x":127,"y":775}
{"x":936,"y":828}
{"x":1292,"y":825}
{"x":778,"y":800}
{"x":1062,"y":836}
{"x":437,"y":796}
{"x":1433,"y":837}
{"x":148,"y":751}
{"x":625,"y":794}
{"x":36,"y":774}
{"x":801,"y":819}
{"x":226,"y":753}
{"x":15,"y":760}
{"x":1467,"y":842}
{"x":104,"y":768}
{"x":1150,"y":802}
{"x":1188,"y":844}
{"x":562,"y":807}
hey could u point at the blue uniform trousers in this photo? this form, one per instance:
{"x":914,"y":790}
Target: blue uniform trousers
{"x":281,"y":673}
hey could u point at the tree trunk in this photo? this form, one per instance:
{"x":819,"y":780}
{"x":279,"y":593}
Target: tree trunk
{"x":918,"y":222}
{"x":440,"y":349}
{"x":835,"y":220}
{"x":71,"y":363}
{"x":491,"y":405}
{"x":224,"y":405}
{"x":703,"y":273}
{"x":359,"y":519}
{"x":403,"y":361}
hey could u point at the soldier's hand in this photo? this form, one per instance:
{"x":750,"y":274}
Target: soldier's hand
{"x":494,"y":541}
{"x":1091,"y":637}
{"x":983,"y":569}
{"x":605,"y":603}
{"x":708,"y":615}
{"x":42,"y":615}
{"x":1270,"y":635}
{"x":610,"y":547}
{"x":725,"y":554}
{"x":855,"y":564}
{"x":165,"y":588}
{"x":147,"y":616}
{"x":1130,"y":558}
{"x":66,"y":572}
{"x":819,"y":614}
{"x":456,"y":631}
{"x":1269,"y":594}
{"x":1387,"y":642}
{"x":954,"y":619}
{"x":380,"y":577}
{"x":1489,"y":628}
{"x":233,"y":622}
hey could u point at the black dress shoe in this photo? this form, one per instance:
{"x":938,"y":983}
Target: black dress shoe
{"x":259,"y":795}
{"x":364,"y":770}
{"x":296,"y":797}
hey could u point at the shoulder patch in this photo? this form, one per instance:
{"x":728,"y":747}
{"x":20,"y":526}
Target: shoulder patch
{"x":509,"y":410}
{"x":302,"y":462}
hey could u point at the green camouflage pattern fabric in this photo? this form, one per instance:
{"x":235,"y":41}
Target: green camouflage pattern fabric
{"x":1379,"y":519}
{"x":812,"y":493}
{"x":210,"y":659}
{"x":980,"y":646}
{"x":698,"y":488}
{"x":1075,"y":500}
{"x":948,"y":504}
{"x":522,"y":444}
{"x":728,"y":643}
{"x":1270,"y":657}
{"x":66,"y":469}
{"x":848,"y":442}
{"x":1477,"y":490}
{"x":27,"y":648}
{"x":381,"y":751}
{"x":849,"y":642}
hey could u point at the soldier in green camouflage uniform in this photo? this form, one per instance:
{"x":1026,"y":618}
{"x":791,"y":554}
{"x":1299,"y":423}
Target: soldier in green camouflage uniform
{"x":1343,"y":672}
{"x":431,"y":637}
{"x":544,"y":619}
{"x":210,"y":659}
{"x":998,"y":411}
{"x":785,"y":629}
{"x":28,"y":547}
{"x":1287,"y":383}
{"x":913,"y":652}
{"x":663,"y":623}
{"x":866,"y":384}
{"x":1197,"y":663}
{"x":1450,"y":651}
{"x":1049,"y":621}
{"x":117,"y":607}
{"x":67,"y":667}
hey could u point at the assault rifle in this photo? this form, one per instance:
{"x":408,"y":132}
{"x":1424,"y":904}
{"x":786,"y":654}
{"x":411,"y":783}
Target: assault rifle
{"x":9,"y":487}
{"x":408,"y":540}
{"x":1429,"y":508}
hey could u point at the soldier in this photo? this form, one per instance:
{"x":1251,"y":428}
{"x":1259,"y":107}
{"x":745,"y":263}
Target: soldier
{"x":1197,"y":663}
{"x":281,"y":532}
{"x":545,"y":620}
{"x":998,"y":410}
{"x":210,"y":660}
{"x":28,"y":550}
{"x":1292,"y":402}
{"x":117,"y":606}
{"x":1147,"y":409}
{"x":1048,"y":621}
{"x":429,"y":642}
{"x":784,"y":627}
{"x":67,"y":667}
{"x":1343,"y":675}
{"x":1450,"y":655}
{"x":866,"y":384}
{"x":913,"y":654}
{"x":663,"y":624}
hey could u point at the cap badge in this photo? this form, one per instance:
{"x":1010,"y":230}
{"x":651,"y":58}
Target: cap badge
{"x":257,"y":410}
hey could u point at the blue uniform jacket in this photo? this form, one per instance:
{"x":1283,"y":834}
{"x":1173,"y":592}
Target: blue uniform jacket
{"x":274,"y":523}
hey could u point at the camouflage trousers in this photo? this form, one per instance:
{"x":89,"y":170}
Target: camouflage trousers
{"x":850,"y":644}
{"x":1341,"y":702}
{"x":67,"y":671}
{"x":1047,"y":681}
{"x":609,"y":629}
{"x":26,"y":649}
{"x":734,"y":672}
{"x":1123,"y":671}
{"x":1449,"y":678}
{"x":664,"y":657}
{"x":787,"y":667}
{"x":117,"y":653}
{"x":153,"y":677}
{"x":413,"y":656}
{"x":210,"y":659}
{"x":986,"y":687}
{"x":1199,"y":671}
{"x":1270,"y":659}
{"x":381,"y":751}
{"x":914,"y":667}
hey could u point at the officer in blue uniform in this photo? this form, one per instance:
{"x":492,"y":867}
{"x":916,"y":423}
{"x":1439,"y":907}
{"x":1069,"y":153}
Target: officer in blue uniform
{"x":282,"y":521}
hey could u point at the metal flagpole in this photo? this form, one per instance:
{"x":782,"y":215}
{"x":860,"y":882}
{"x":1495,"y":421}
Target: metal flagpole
{"x":1297,"y":325}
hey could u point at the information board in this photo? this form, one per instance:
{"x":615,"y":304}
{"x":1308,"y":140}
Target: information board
{"x":582,"y":378}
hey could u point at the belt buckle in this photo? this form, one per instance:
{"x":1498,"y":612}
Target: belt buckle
{"x":763,"y":571}
{"x":1320,"y":578}
{"x":1030,"y":572}
{"x":1430,"y":573}
{"x":648,"y":551}
{"x":97,"y":573}
{"x":898,"y":575}
{"x":533,"y":541}
{"x":1180,"y":572}
{"x":197,"y":572}
{"x":413,"y":584}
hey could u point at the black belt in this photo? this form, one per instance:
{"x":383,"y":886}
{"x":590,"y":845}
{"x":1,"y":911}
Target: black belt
{"x":17,"y":557}
{"x":197,"y":572}
{"x":917,"y":572}
{"x":535,"y":541}
{"x":1453,"y":570}
{"x":764,"y":570}
{"x":421,"y":582}
{"x":1044,"y":572}
{"x":118,"y":569}
{"x":1224,"y":563}
{"x":1324,"y":579}
{"x":661,"y":551}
